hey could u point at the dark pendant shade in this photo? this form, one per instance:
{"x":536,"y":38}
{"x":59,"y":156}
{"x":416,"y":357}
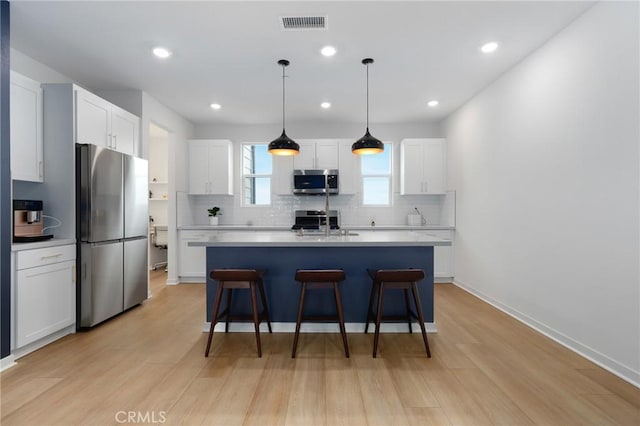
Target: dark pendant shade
{"x":284,"y":145}
{"x":367,"y":145}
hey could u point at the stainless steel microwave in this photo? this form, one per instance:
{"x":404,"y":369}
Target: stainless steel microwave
{"x":315,"y":182}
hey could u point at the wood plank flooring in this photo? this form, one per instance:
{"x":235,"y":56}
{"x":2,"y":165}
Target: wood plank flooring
{"x":487,"y":369}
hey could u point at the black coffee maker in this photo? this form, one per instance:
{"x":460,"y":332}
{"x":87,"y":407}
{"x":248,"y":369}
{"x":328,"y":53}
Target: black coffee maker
{"x":28,"y":221}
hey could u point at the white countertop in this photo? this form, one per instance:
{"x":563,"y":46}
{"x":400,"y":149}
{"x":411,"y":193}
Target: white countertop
{"x":292,"y":239}
{"x":288,"y":228}
{"x":42,"y":244}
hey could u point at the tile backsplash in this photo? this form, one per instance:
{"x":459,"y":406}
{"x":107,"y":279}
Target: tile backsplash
{"x":437,"y":210}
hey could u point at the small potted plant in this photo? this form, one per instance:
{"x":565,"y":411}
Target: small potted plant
{"x":213,"y":215}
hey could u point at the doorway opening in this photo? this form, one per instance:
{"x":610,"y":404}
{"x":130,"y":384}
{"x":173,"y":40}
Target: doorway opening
{"x":158,"y":196}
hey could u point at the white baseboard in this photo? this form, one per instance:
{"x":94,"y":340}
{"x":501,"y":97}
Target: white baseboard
{"x":34,"y":346}
{"x":290,"y":327}
{"x":591,"y":354}
{"x":172,"y":281}
{"x":447,"y":280}
{"x":7,"y":362}
{"x":190,"y":280}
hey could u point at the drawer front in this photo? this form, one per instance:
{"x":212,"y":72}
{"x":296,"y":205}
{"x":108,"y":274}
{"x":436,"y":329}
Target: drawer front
{"x":45,"y":256}
{"x":196,"y":235}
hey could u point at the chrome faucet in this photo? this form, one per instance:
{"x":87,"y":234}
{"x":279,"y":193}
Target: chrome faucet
{"x":327,"y":222}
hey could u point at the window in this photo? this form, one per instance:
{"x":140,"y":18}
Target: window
{"x":256,"y":175}
{"x":376,"y":178}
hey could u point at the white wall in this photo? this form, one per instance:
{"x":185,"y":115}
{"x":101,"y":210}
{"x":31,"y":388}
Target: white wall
{"x":179,"y":131}
{"x":281,"y":211}
{"x":35,"y":70}
{"x":545,"y":162}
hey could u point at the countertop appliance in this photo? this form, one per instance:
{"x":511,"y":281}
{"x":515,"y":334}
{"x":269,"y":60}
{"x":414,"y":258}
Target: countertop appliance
{"x":28,"y":220}
{"x":312,"y":182}
{"x":112,"y":225}
{"x":314,"y":219}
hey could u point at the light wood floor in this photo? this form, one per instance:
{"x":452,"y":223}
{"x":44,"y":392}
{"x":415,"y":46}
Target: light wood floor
{"x":486,"y":369}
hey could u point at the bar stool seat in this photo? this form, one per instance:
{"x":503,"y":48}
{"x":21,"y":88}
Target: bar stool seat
{"x":405,"y":279}
{"x":315,"y":279}
{"x":231,"y":279}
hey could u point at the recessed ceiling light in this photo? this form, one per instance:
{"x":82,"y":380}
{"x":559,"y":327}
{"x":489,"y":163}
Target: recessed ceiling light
{"x":216,"y":106}
{"x":433,"y":103}
{"x":161,"y":52}
{"x":489,"y":47}
{"x":326,"y":105}
{"x":328,"y":51}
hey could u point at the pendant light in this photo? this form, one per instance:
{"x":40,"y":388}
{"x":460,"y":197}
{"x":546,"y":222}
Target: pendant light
{"x":367,"y":144}
{"x":283,"y":145}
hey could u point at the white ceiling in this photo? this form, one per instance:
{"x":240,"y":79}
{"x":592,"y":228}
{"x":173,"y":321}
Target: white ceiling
{"x":227,"y":52}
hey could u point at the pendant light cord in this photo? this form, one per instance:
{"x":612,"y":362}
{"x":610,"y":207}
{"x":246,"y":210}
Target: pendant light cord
{"x":367,"y":97}
{"x":283,"y":98}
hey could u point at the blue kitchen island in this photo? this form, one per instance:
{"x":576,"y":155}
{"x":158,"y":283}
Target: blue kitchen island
{"x":281,"y":253}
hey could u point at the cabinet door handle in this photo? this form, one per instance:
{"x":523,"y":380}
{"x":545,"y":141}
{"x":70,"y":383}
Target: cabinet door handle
{"x":73,"y":274}
{"x":51,"y":256}
{"x":40,"y":168}
{"x":115,"y":141}
{"x":109,"y":140}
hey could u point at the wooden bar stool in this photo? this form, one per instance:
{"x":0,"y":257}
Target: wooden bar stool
{"x":320,"y":278}
{"x":231,"y":279}
{"x":405,"y":279}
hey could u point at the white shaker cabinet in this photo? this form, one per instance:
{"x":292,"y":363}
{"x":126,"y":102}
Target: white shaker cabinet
{"x":443,"y":256}
{"x":101,"y":123}
{"x":422,"y":166}
{"x":282,"y":174}
{"x":45,"y":297}
{"x":211,"y":167}
{"x":192,"y":260}
{"x":317,"y":154}
{"x":348,"y":168}
{"x":27,"y":149}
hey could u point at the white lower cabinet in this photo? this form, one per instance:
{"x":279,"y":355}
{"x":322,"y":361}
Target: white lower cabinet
{"x":442,"y":256}
{"x":192,"y":260}
{"x":45,"y":296}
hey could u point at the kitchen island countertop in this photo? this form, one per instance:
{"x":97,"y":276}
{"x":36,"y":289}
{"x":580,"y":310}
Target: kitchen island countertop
{"x":282,"y":228}
{"x":292,"y":239}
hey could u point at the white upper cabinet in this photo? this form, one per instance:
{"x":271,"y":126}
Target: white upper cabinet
{"x":348,"y":168}
{"x":101,"y":123}
{"x":125,"y":130}
{"x":211,"y":167}
{"x":317,"y":154}
{"x":282,"y":174}
{"x":27,"y":149}
{"x":422,"y":166}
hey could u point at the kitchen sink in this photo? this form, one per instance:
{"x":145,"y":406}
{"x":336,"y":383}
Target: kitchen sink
{"x":332,"y":234}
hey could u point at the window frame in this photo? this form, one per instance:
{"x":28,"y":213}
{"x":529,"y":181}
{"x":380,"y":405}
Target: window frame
{"x":253,"y":175}
{"x":388,"y":146}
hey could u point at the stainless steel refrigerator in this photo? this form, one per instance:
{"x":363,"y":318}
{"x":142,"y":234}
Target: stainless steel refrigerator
{"x":112,"y":229}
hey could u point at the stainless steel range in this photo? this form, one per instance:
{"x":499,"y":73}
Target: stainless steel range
{"x":314,"y":219}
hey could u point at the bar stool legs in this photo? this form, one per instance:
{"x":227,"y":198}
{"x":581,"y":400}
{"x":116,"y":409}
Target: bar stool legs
{"x":416,"y":298}
{"x":405,"y":279}
{"x":303,"y":290}
{"x":214,"y":317}
{"x":313,"y":279}
{"x":230,"y":279}
{"x":343,"y":330}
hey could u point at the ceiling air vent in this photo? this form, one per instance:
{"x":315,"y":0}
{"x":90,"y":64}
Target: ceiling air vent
{"x":303,"y":22}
